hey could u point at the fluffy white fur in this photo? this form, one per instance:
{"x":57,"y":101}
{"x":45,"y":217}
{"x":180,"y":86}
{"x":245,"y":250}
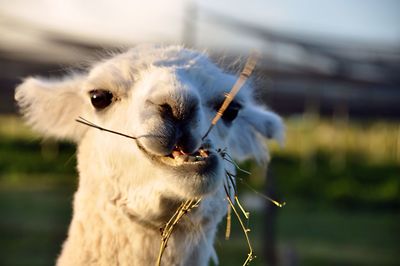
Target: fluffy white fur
{"x":124,"y":197}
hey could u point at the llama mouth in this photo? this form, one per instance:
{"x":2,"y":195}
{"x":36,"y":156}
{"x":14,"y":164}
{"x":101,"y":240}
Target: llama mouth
{"x":202,"y":157}
{"x":178,"y":157}
{"x":196,"y":174}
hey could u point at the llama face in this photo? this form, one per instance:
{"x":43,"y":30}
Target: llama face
{"x":173,"y":102}
{"x":165,"y":98}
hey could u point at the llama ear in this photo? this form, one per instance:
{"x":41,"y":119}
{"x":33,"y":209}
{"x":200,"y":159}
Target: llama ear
{"x":251,"y":125}
{"x":267,"y":123}
{"x":51,"y":106}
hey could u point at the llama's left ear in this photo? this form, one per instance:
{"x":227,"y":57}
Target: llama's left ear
{"x":51,"y":106}
{"x":251,"y":125}
{"x":266,"y":122}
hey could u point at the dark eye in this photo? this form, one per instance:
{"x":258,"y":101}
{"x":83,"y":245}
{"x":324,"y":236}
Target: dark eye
{"x":101,"y":98}
{"x":231,"y":112}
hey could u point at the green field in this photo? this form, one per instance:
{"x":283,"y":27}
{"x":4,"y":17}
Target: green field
{"x":342,"y":199}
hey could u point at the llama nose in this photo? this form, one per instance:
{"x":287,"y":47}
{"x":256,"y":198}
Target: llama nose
{"x":175,"y":119}
{"x":184,"y":119}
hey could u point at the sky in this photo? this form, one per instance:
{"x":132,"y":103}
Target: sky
{"x":363,"y":20}
{"x":375,"y":22}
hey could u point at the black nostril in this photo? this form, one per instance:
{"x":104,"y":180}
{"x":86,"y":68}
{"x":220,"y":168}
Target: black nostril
{"x":187,"y":143}
{"x":182,"y":110}
{"x":181,"y":116}
{"x":166,"y":110}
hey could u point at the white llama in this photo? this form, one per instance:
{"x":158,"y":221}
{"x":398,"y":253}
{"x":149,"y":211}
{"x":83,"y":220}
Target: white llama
{"x":128,"y":189}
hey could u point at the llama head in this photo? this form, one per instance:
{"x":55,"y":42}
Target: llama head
{"x":163,"y":96}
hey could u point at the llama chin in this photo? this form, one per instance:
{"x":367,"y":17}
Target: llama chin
{"x":165,"y":98}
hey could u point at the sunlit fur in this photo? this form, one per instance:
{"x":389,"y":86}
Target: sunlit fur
{"x":123,"y":196}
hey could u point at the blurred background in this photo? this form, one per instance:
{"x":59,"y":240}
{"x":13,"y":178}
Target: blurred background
{"x":331,"y":68}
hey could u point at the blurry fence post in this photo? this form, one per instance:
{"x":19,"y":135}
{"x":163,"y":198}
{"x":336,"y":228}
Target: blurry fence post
{"x":271,"y":253}
{"x":189,"y":24}
{"x":270,"y":245}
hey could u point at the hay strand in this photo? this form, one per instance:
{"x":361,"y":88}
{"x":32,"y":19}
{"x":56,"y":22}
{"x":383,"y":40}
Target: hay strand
{"x":166,"y":232}
{"x":250,"y":255}
{"x":275,"y":202}
{"x":228,"y":222}
{"x":90,"y":124}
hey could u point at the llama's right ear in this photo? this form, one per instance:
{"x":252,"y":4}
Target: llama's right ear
{"x":51,"y":106}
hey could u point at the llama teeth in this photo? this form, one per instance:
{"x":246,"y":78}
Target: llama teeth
{"x":185,"y":157}
{"x":203,"y":153}
{"x":199,"y":158}
{"x":181,"y":159}
{"x":176,"y":154}
{"x":192,"y":159}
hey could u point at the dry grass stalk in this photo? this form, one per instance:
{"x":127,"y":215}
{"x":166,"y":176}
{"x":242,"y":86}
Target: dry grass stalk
{"x":229,"y":159}
{"x":228,"y":223}
{"x":245,"y":213}
{"x":90,"y":124}
{"x":230,"y":179}
{"x":276,"y":203}
{"x":250,"y":255}
{"x":183,"y":209}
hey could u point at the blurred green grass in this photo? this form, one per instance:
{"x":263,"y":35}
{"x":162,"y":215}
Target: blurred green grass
{"x":35,"y":219}
{"x":320,"y":236}
{"x":341,"y":181}
{"x":33,"y":224}
{"x":345,"y":163}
